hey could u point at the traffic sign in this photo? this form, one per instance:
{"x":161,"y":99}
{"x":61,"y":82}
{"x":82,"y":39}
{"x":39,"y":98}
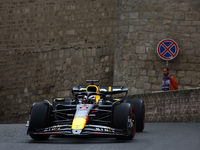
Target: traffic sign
{"x":167,"y":49}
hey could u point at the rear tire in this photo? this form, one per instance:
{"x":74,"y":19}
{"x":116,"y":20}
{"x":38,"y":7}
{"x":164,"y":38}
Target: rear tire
{"x":39,"y":119}
{"x":139,"y":108}
{"x":123,"y":117}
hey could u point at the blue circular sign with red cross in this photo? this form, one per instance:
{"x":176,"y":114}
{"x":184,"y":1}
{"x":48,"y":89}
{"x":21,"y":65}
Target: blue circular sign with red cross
{"x":167,"y":49}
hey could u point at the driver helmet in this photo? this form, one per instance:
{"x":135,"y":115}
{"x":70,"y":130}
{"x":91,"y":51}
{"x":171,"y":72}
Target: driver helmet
{"x":91,"y":99}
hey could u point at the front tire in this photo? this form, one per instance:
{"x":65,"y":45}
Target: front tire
{"x":39,"y":119}
{"x":124,"y":118}
{"x":139,"y":108}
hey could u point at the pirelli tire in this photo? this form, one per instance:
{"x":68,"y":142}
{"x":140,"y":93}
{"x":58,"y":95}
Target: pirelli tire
{"x":139,"y":108}
{"x":124,"y":118}
{"x":39,"y":119}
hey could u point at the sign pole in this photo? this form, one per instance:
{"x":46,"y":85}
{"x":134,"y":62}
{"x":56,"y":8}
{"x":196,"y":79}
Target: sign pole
{"x":167,"y":63}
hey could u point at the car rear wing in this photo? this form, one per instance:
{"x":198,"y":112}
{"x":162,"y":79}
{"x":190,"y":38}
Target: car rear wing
{"x":79,"y":88}
{"x":113,"y":89}
{"x":103,"y":89}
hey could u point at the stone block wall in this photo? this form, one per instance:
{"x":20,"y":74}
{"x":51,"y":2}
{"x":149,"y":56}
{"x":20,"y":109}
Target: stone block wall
{"x":47,"y":47}
{"x":140,"y":26}
{"x":172,"y":106}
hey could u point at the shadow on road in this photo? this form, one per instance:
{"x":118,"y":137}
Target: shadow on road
{"x":63,"y":139}
{"x":79,"y":140}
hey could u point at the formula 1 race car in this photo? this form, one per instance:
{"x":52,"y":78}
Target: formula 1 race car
{"x":93,"y":111}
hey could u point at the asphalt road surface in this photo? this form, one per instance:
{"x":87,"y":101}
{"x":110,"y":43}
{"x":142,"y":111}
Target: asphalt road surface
{"x":156,"y":136}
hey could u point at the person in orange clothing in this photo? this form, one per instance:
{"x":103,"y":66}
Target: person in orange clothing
{"x":169,"y":81}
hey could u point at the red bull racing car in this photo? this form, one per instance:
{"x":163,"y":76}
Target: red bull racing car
{"x":93,"y":111}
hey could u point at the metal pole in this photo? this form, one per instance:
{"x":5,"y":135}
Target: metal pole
{"x":167,"y":63}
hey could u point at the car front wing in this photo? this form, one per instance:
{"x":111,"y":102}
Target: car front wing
{"x":88,"y":130}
